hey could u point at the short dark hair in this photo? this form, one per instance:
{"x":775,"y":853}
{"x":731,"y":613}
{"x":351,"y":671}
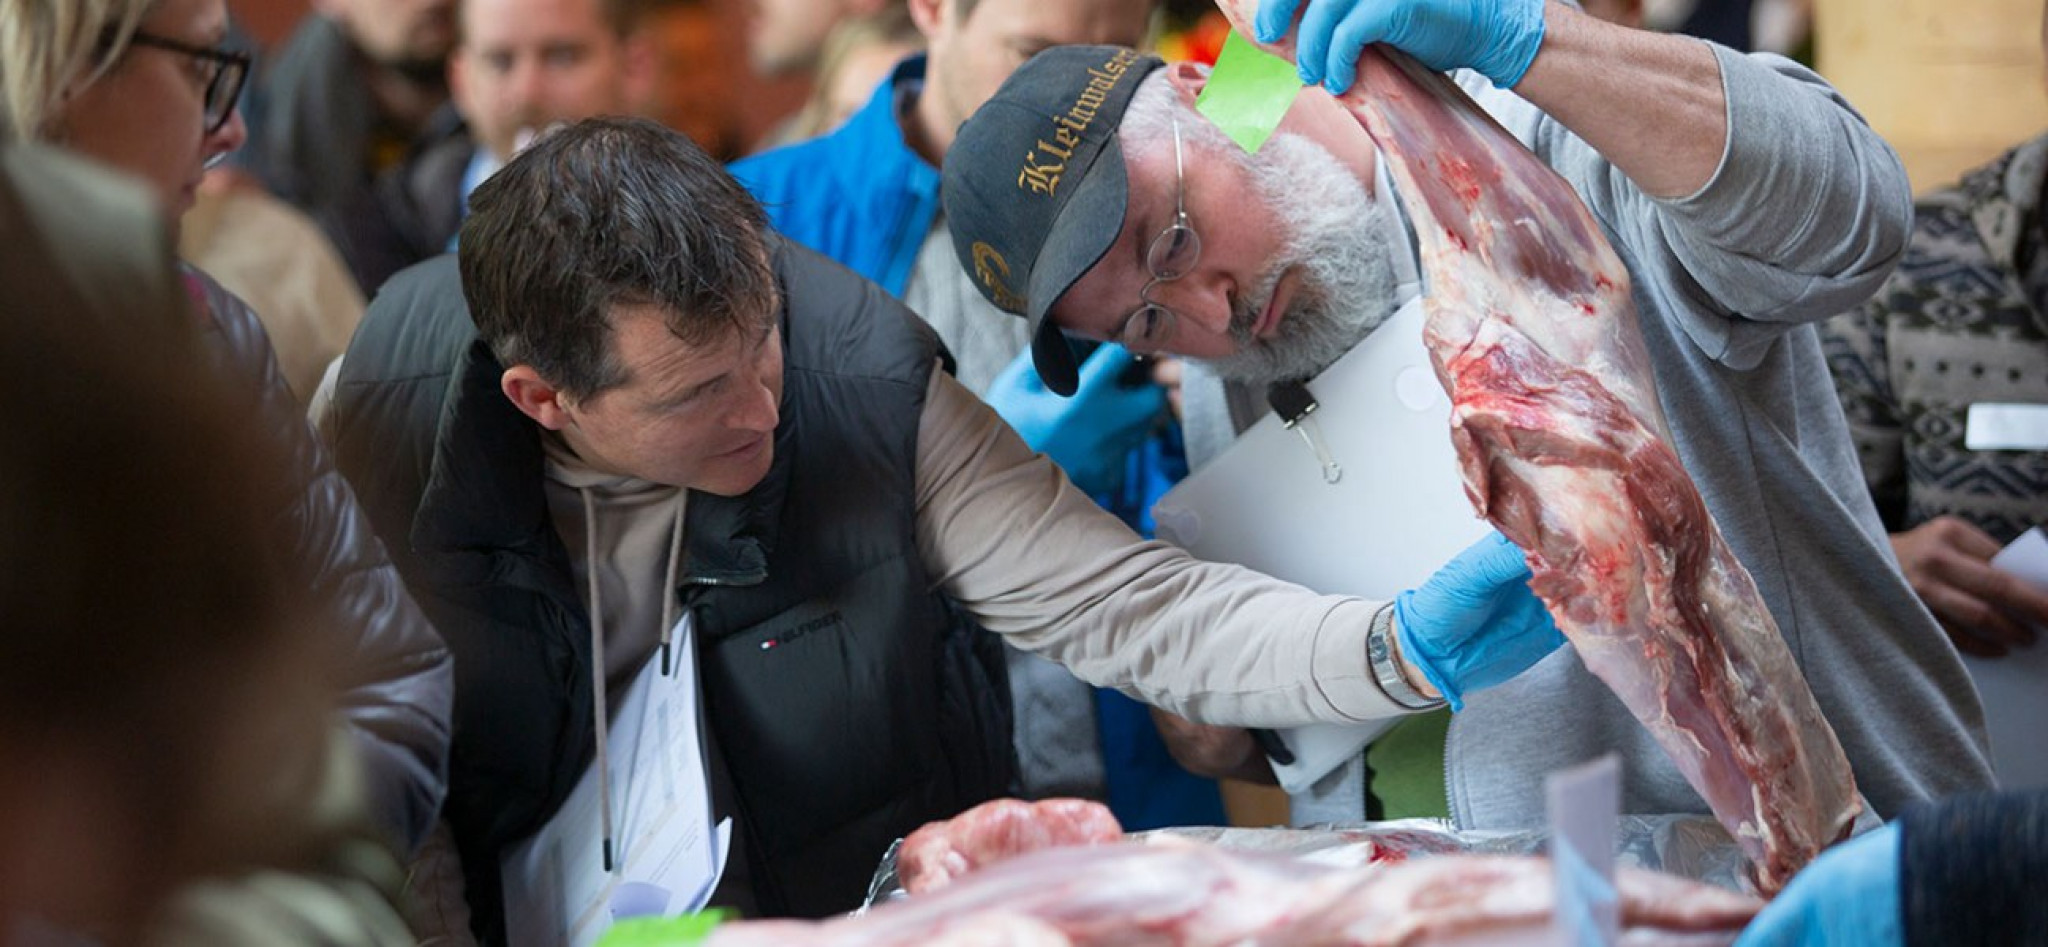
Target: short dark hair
{"x":604,"y":212}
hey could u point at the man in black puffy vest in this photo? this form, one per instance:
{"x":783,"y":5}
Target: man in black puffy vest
{"x":662,"y":410}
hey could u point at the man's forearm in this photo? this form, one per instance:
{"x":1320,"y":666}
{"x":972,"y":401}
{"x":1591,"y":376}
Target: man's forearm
{"x":1651,"y":103}
{"x":1035,"y":560}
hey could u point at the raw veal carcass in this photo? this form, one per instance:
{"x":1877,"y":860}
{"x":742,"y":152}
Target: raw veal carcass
{"x":1131,"y":894}
{"x":939,"y":852}
{"x":1565,"y":449}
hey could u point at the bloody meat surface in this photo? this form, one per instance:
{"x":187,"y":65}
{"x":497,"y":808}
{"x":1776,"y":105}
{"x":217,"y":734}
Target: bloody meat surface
{"x":1564,"y":447}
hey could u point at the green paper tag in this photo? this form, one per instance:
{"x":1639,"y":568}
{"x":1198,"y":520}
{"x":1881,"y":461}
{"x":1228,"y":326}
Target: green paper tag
{"x":1248,"y":92}
{"x":682,"y":931}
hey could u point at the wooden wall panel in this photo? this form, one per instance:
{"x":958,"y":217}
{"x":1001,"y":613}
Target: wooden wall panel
{"x":1951,"y":83}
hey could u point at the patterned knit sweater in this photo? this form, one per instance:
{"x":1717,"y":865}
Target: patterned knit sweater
{"x":1964,"y":320}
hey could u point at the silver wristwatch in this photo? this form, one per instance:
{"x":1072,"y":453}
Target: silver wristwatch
{"x":1383,"y":652}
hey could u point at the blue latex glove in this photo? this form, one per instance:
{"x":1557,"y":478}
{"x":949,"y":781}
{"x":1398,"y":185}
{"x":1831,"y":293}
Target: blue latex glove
{"x":1089,"y":434}
{"x":1848,"y":897}
{"x":1496,"y":38}
{"x":1475,"y":623}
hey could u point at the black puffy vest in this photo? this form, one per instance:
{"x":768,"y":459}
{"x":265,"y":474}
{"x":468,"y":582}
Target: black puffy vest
{"x":850,"y":700}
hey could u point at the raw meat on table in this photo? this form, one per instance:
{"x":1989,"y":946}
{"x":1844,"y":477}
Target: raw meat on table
{"x":939,"y":852}
{"x":1186,"y":893}
{"x":1564,"y":448}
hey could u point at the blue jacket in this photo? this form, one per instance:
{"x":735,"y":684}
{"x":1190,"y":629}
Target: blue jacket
{"x":858,"y":195}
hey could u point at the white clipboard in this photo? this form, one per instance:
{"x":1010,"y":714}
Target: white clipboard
{"x":1396,"y":514}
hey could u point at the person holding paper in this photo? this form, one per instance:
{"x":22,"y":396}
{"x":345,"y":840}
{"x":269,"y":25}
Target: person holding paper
{"x":1748,"y":201}
{"x":1944,"y":377}
{"x":630,"y":411}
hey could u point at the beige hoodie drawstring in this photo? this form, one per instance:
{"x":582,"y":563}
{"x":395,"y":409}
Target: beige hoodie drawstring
{"x":599,"y":700}
{"x":668,"y":589}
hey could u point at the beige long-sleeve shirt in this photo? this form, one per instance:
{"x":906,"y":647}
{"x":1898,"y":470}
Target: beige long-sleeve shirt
{"x":1036,"y":560}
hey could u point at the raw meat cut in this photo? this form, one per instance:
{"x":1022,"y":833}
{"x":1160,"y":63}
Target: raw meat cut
{"x":1564,"y":448}
{"x":939,"y":852}
{"x":1137,"y":894}
{"x":981,"y":929}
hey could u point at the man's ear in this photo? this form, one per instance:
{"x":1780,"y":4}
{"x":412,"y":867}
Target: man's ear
{"x":928,"y":15}
{"x":1187,"y":79}
{"x":534,"y":397}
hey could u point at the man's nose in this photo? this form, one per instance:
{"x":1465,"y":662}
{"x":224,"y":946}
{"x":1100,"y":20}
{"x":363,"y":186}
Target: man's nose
{"x":1201,"y":301}
{"x":757,"y":409}
{"x":528,"y":78}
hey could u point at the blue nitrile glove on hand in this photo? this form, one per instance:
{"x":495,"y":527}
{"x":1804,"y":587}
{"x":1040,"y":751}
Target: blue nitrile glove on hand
{"x":1475,"y":623}
{"x":1848,"y":897}
{"x":1495,"y":38}
{"x":1089,"y":434}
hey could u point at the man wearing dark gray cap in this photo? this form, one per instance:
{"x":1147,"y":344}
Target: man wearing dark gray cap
{"x":1746,"y":197}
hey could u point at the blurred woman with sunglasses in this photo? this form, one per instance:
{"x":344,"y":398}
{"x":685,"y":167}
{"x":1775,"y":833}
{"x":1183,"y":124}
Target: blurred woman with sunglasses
{"x":145,"y":87}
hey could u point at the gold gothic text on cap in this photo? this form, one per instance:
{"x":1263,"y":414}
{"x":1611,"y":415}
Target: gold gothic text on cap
{"x":1047,"y":160}
{"x":992,"y":270}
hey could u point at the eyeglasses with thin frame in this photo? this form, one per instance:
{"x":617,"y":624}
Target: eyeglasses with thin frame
{"x":227,"y":70}
{"x":1171,"y":255}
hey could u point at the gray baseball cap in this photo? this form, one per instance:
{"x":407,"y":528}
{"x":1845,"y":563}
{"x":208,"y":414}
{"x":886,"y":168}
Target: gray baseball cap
{"x":1034,"y":186}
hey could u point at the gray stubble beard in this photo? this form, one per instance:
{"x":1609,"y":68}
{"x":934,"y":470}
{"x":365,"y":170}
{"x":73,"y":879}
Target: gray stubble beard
{"x":1340,"y":239}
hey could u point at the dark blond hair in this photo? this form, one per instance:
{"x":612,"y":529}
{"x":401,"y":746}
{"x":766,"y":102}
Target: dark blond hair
{"x":49,"y":48}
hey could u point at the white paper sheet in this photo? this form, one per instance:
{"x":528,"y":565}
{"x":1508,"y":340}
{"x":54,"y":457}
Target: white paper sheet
{"x":1396,"y":516}
{"x":2015,"y":687}
{"x":669,"y":855}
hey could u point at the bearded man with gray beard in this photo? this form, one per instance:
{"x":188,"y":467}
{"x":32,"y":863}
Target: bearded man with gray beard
{"x":1748,"y":202}
{"x":1342,"y":242}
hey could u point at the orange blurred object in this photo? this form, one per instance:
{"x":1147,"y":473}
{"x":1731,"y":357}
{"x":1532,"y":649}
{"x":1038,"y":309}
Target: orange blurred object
{"x":1198,"y":43}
